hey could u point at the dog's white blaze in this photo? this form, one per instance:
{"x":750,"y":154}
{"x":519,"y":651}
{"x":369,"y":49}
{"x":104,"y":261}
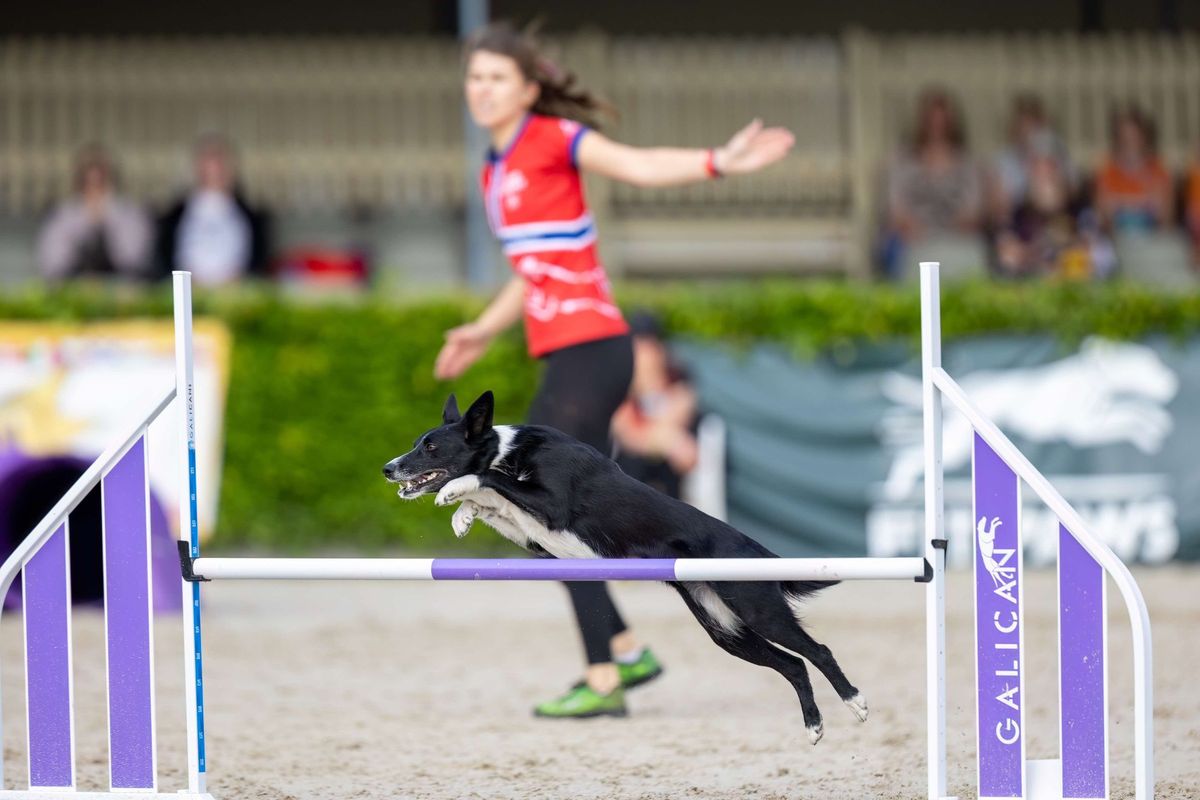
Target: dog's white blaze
{"x":506,"y":433}
{"x":721,"y":614}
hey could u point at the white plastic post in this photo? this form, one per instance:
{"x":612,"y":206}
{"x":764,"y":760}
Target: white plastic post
{"x":193,"y":685}
{"x":935,"y":590}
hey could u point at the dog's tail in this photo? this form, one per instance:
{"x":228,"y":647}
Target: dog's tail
{"x":793,"y":589}
{"x":800,"y":589}
{"x":796,"y":592}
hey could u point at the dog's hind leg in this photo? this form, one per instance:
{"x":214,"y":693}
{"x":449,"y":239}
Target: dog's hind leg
{"x":766,"y":611}
{"x":743,"y":643}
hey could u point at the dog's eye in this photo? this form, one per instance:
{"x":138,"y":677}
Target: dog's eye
{"x":430,"y":447}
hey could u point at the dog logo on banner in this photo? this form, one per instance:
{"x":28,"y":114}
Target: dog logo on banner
{"x":1003,"y":576}
{"x":1107,"y":393}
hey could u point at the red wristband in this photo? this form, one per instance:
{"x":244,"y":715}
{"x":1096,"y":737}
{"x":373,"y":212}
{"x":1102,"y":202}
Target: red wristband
{"x":710,"y":164}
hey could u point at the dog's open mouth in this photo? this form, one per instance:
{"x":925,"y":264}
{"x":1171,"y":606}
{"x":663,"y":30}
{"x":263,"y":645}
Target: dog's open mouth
{"x":414,"y":486}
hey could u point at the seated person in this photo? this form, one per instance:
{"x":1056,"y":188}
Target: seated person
{"x":1047,"y":233}
{"x":95,"y":232}
{"x":212,"y":231}
{"x":1191,"y":210}
{"x":653,"y":428}
{"x":1031,"y":140}
{"x":1133,"y":188}
{"x":934,"y":188}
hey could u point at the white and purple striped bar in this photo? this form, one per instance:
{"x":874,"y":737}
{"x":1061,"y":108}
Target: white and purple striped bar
{"x":46,"y":600}
{"x":1083,"y":687}
{"x":565,"y":569}
{"x":999,"y":663}
{"x":127,"y":621}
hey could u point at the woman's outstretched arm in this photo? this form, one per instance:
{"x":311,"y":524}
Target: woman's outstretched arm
{"x":466,"y":343}
{"x":750,"y":149}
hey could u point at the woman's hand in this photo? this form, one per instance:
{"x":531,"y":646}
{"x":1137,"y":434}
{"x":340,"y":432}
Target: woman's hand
{"x":464,"y":345}
{"x":752,"y":148}
{"x":684,"y":454}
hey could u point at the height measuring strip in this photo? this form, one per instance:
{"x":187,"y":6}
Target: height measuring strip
{"x":189,"y":531}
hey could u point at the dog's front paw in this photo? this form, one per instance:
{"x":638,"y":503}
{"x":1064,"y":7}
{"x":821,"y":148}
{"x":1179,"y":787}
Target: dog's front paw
{"x":457,"y":489}
{"x":463,"y":518}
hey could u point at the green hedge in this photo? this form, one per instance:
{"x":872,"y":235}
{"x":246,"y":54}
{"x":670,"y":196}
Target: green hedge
{"x":322,"y":395}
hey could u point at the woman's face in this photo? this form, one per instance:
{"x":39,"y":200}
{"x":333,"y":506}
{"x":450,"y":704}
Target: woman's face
{"x":937,"y":122}
{"x":96,"y":180}
{"x":497,"y":93}
{"x":1131,"y":143}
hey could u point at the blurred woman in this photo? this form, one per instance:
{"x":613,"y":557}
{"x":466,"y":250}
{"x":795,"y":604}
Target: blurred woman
{"x":934,"y":187}
{"x":1133,"y":188}
{"x":212,"y":231}
{"x":97,"y":232}
{"x":543,"y":132}
{"x":1191,"y":200}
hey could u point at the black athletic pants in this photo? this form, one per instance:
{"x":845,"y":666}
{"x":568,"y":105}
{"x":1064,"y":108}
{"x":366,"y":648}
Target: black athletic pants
{"x":582,"y":387}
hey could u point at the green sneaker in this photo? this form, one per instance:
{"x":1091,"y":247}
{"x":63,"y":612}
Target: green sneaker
{"x":582,"y":702}
{"x":644,"y":670}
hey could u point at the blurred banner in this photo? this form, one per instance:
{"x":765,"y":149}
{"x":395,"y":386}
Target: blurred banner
{"x":67,"y":392}
{"x":825,"y":457}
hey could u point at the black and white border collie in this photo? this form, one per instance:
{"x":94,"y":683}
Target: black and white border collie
{"x":558,"y":497}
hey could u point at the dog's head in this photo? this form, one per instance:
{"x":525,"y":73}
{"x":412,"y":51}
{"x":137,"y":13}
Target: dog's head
{"x":463,"y":444}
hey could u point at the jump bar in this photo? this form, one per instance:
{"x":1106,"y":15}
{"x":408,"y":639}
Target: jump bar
{"x":552,"y":569}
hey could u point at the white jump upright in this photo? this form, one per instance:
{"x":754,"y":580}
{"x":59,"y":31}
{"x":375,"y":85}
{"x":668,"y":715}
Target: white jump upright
{"x":43,"y":563}
{"x":189,"y":531}
{"x":999,"y":471}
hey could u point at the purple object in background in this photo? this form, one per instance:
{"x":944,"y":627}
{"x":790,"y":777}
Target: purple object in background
{"x":999,"y":666}
{"x":128,"y":622}
{"x":600,"y":569}
{"x":47,"y":596}
{"x":1083,"y":695}
{"x":20,"y":476}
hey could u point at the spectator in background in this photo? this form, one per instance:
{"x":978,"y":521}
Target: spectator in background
{"x":653,"y":428}
{"x":1031,"y":143}
{"x":1133,"y":188}
{"x":96,"y":232}
{"x":212,"y":231}
{"x":1048,"y":233}
{"x":934,"y":188}
{"x":1191,"y":209}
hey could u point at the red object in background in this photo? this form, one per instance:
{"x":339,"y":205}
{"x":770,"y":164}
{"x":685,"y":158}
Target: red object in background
{"x":322,"y":265}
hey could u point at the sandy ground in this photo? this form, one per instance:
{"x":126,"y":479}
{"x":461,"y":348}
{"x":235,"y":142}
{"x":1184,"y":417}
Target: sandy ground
{"x":423,"y":690}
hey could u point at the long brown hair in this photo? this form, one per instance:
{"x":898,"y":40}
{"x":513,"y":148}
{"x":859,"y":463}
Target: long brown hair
{"x":1136,"y":115}
{"x":935,"y":98}
{"x":559,"y":95}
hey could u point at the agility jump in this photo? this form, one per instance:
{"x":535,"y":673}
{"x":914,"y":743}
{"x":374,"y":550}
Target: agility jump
{"x":1081,"y":771}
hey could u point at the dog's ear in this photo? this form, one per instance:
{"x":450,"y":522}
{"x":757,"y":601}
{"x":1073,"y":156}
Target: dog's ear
{"x":478,"y":419}
{"x":450,"y":413}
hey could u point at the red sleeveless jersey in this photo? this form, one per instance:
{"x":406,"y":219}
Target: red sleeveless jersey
{"x":535,"y":206}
